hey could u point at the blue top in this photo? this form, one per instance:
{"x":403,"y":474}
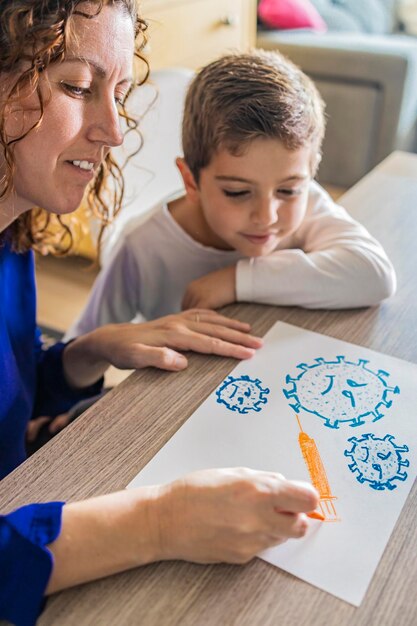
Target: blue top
{"x":32,"y":383}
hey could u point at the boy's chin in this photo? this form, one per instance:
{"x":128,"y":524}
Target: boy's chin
{"x":261,"y":253}
{"x":258,"y":251}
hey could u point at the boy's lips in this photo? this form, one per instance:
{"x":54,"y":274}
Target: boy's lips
{"x":261,"y":238}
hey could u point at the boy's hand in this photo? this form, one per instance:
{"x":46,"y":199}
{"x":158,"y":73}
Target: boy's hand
{"x":212,"y":291}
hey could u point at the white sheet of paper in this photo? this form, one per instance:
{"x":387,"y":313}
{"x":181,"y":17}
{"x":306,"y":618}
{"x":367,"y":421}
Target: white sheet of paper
{"x":339,"y":557}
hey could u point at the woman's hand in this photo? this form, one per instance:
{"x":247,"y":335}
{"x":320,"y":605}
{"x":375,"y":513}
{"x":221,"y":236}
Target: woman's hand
{"x":156,"y":344}
{"x":211,"y":516}
{"x":230,"y":515}
{"x":37,"y":423}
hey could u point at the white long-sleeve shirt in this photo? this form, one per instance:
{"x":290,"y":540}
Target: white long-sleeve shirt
{"x":330,"y":261}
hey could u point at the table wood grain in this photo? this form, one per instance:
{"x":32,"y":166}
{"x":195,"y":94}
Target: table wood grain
{"x":106,"y":447}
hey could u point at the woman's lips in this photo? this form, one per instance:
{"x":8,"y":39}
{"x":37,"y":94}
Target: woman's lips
{"x":86,"y":175}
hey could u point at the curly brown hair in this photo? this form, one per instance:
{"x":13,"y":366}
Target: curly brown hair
{"x":37,"y":33}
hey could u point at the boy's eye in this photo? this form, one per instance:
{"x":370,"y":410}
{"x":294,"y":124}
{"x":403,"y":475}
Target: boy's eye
{"x":235,"y":194}
{"x":289,"y":192}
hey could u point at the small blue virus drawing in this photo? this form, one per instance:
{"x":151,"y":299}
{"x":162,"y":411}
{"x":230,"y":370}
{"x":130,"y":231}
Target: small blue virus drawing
{"x":340,"y":391}
{"x":377,"y":461}
{"x":242,"y":394}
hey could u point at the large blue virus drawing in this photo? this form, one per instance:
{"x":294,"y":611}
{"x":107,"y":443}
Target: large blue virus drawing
{"x":242,"y":394}
{"x":340,"y":391}
{"x":377,"y":461}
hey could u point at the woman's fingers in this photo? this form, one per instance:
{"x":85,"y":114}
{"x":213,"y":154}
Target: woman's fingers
{"x":207,"y":340}
{"x":208,"y":315}
{"x":59,"y":422}
{"x":188,"y":332}
{"x":220,"y":347}
{"x":208,"y":332}
{"x":290,"y":526}
{"x":34,"y":427}
{"x":285,"y":500}
{"x":296,"y":497}
{"x":227,"y":334}
{"x":141,"y":355}
{"x":155,"y":344}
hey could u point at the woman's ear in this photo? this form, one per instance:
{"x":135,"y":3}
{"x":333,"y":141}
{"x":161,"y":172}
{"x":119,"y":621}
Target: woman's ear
{"x":191,"y":187}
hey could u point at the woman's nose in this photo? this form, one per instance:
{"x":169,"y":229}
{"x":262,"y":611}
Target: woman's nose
{"x":105,"y":127}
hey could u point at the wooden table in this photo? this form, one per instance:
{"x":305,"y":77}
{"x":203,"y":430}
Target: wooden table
{"x":105,"y":448}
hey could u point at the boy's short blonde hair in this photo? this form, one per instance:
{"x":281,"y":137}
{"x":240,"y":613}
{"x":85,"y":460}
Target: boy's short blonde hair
{"x":242,"y":97}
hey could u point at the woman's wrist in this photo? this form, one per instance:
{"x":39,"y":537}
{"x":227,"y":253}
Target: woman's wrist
{"x":163,"y":514}
{"x":144,"y":528}
{"x":83,"y":361}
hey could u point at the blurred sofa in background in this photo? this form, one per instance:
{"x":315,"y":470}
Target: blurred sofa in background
{"x":365,"y":67}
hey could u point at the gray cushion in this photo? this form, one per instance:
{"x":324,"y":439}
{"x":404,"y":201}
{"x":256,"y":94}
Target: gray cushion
{"x":369,"y":83}
{"x":370,"y":16}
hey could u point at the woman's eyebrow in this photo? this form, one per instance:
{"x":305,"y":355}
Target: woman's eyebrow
{"x":98,"y":69}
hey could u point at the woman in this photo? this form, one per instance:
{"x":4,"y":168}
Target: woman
{"x":65,"y":65}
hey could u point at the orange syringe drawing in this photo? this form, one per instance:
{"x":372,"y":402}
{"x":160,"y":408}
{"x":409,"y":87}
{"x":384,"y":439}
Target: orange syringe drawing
{"x":318,"y":475}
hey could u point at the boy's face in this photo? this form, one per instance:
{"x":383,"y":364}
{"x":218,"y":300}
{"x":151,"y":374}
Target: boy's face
{"x":251,"y":202}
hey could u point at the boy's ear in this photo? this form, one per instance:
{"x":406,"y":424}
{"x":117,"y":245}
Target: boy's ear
{"x":190,"y":185}
{"x":316,"y":158}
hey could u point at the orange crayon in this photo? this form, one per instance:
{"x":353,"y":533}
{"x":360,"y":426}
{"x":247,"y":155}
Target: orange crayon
{"x":316,"y":515}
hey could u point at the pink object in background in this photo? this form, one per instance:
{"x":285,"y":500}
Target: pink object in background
{"x":287,"y":14}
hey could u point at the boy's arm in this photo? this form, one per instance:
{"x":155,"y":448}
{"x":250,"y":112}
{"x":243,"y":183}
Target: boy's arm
{"x":336,"y":264}
{"x":114,"y":295}
{"x":211,"y":291}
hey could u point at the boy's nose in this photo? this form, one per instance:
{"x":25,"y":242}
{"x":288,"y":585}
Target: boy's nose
{"x":266,"y":213}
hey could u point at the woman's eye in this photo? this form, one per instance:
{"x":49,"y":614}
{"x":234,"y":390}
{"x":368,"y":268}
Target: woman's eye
{"x":75,"y":90}
{"x":120,"y":98}
{"x":235,"y":194}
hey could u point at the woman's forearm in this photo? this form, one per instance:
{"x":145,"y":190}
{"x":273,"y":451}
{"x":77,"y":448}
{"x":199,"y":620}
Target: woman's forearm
{"x":105,"y":535}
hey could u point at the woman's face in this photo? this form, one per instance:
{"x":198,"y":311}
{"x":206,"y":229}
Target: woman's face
{"x":55,"y":162}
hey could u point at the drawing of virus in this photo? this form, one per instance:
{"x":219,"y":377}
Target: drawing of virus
{"x":340,"y":391}
{"x":242,"y":394}
{"x":377,"y":461}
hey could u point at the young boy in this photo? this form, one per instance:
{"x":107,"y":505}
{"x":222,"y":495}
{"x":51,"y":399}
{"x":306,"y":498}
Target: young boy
{"x":250,"y":224}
